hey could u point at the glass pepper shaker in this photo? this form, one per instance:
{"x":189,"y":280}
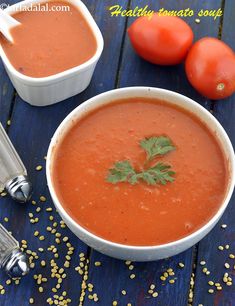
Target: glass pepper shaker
{"x":12,"y":260}
{"x":13,"y":175}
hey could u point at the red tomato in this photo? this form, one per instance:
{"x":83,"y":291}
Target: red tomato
{"x":210,"y":68}
{"x":163,"y":40}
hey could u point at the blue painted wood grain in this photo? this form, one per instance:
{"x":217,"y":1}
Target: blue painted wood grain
{"x":6,"y":95}
{"x":224,"y":111}
{"x":135,"y":71}
{"x":30,"y":131}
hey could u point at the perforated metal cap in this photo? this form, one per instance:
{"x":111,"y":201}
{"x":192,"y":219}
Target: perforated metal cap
{"x":16,"y":265}
{"x":19,"y":188}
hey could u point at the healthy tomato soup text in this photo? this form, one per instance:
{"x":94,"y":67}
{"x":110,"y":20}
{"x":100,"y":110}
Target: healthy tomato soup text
{"x":49,"y":42}
{"x":136,"y":212}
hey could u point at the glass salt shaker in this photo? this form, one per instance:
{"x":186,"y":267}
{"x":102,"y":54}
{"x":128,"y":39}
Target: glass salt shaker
{"x":13,"y":175}
{"x":12,"y":260}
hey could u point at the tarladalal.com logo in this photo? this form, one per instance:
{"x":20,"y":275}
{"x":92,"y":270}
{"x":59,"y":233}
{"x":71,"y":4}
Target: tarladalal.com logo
{"x":39,"y":7}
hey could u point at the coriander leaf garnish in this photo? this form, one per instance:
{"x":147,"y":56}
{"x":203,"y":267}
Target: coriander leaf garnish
{"x":155,"y":146}
{"x":159,"y":173}
{"x":121,"y":172}
{"x":124,"y":172}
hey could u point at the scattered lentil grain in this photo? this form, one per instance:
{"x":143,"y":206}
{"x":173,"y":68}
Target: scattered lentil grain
{"x":155,"y":294}
{"x":211,"y":283}
{"x":181,"y":265}
{"x":202,"y":262}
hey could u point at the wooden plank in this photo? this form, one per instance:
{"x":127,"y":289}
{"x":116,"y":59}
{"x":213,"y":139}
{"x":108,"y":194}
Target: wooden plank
{"x":113,"y":276}
{"x":6,"y":95}
{"x":30,"y":132}
{"x":224,"y":111}
{"x":172,"y":78}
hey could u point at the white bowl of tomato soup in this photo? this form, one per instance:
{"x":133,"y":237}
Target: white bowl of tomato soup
{"x":140,"y":173}
{"x":55,"y":50}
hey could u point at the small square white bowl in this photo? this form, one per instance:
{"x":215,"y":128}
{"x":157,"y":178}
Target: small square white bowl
{"x":55,"y":88}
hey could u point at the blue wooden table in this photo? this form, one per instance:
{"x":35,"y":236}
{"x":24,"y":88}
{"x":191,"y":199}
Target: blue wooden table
{"x":78,"y":274}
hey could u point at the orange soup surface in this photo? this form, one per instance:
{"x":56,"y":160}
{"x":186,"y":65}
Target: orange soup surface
{"x":139,"y":214}
{"x":50,"y":41}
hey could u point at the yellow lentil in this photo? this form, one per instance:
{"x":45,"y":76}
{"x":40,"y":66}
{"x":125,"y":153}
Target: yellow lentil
{"x":181,"y":265}
{"x":202,"y":263}
{"x":210,"y":283}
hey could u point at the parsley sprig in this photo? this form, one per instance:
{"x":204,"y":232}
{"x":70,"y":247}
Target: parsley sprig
{"x":155,"y":146}
{"x":160,"y":173}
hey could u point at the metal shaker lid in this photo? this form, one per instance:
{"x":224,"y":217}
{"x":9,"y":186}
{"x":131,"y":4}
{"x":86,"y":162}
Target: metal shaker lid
{"x":16,"y":265}
{"x":19,"y":188}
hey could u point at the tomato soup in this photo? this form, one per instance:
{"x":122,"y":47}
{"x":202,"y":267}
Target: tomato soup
{"x":139,"y":214}
{"x":50,"y":41}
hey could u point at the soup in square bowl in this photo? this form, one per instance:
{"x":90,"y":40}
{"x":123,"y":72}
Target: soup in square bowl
{"x":53,"y":36}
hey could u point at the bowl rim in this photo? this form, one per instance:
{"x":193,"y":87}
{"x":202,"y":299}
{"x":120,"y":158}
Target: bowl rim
{"x":64,"y":125}
{"x":83,"y":67}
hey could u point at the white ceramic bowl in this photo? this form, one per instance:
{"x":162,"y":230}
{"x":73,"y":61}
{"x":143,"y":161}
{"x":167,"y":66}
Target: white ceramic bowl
{"x":55,"y":88}
{"x":142,"y":253}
